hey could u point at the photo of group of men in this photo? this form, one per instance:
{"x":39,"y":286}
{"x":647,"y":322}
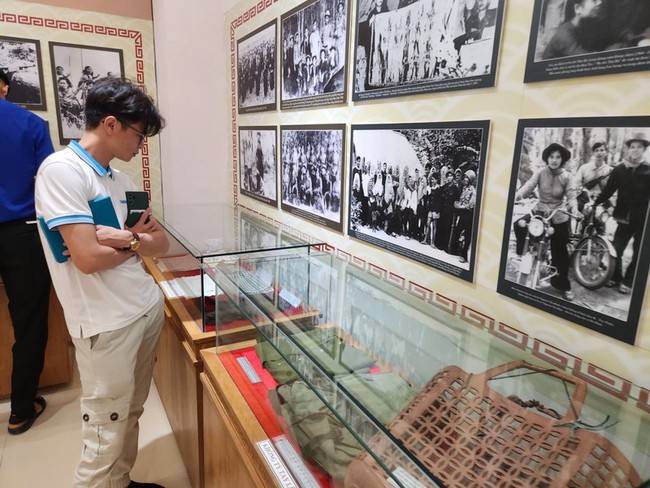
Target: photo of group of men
{"x":416,"y":191}
{"x":588,"y":180}
{"x":312,"y":162}
{"x":606,"y":36}
{"x":257,"y":163}
{"x":314,"y":40}
{"x":406,"y":47}
{"x":256,"y":70}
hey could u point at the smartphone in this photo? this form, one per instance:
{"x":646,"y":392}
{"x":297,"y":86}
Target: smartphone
{"x":136,"y":203}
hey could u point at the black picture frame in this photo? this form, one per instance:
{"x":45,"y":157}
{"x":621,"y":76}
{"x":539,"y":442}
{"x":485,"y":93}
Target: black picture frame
{"x":258,"y":177}
{"x":72,"y":79}
{"x":598,"y":307}
{"x":306,"y":151}
{"x":417,"y":211}
{"x":324,"y":80}
{"x":614,"y":38}
{"x":21,"y":59}
{"x":409,"y":48}
{"x":256,"y":70}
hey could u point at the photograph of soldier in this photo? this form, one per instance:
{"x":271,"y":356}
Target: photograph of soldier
{"x":257,"y":163}
{"x":20,"y":60}
{"x":577,"y":219}
{"x":416,"y":190}
{"x":256,"y":70}
{"x":312,"y":165}
{"x":407,"y":47}
{"x":593,"y":30}
{"x":314,"y":40}
{"x":74,"y":71}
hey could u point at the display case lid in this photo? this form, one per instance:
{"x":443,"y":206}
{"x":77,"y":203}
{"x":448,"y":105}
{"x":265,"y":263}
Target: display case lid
{"x":208,"y":230}
{"x":421,"y":389}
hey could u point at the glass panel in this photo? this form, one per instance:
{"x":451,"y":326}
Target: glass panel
{"x":413,"y":395}
{"x":209,"y":233}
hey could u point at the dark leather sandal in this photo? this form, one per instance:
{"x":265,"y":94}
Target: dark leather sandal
{"x":27,"y":423}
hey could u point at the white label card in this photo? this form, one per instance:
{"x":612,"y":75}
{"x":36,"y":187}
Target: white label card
{"x":295,"y":463}
{"x":406,"y":478}
{"x":276,"y":464}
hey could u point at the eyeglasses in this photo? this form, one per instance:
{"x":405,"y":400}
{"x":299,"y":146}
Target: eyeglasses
{"x":141,"y":134}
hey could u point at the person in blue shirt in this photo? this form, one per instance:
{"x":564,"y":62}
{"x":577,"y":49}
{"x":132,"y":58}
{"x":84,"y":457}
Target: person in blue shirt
{"x":24,"y":144}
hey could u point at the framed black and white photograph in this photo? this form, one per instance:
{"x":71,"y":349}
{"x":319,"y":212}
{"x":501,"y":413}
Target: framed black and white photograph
{"x":21,"y":61}
{"x":74,"y":71}
{"x":257,"y":163}
{"x":312,"y":173}
{"x":256,"y":70}
{"x":576,"y":243}
{"x":572,"y":38}
{"x":314,"y":54}
{"x":415,"y":190}
{"x":406,"y":47}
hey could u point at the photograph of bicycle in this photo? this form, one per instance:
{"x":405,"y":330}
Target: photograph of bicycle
{"x":575,"y":241}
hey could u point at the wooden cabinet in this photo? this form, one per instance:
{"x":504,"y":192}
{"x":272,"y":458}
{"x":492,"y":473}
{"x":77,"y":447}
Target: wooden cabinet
{"x":230,"y":432}
{"x":57,"y":358}
{"x":176,"y":375}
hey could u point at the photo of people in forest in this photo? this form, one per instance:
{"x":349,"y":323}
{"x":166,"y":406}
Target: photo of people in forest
{"x":256,"y":70}
{"x":577,"y":219}
{"x":314,"y":54}
{"x":571,"y":38}
{"x":75,"y":70}
{"x":407,"y":47}
{"x":312,"y":166}
{"x":415,"y":189}
{"x":257,"y":163}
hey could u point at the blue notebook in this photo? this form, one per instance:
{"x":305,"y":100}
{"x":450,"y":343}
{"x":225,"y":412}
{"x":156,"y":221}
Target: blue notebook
{"x":103,"y":214}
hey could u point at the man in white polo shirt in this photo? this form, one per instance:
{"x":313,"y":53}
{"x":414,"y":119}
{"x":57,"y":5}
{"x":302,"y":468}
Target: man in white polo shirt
{"x":113,"y":308}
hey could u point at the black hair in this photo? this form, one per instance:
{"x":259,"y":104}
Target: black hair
{"x":125,"y":101}
{"x":4,"y":77}
{"x":598,"y":144}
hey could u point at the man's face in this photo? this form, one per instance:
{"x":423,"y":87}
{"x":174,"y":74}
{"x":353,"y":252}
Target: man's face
{"x":378,"y":4}
{"x":588,"y":8}
{"x":4,"y":90}
{"x":636,"y":149}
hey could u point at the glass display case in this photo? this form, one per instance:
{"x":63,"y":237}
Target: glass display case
{"x":203,"y":234}
{"x":380,"y":388}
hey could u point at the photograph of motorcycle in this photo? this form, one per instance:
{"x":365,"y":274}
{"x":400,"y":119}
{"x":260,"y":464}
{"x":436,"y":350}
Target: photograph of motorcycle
{"x":592,"y":255}
{"x":561,"y":242}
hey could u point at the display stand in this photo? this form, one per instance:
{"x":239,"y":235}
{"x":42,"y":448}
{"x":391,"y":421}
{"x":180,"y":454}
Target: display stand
{"x":346,"y":400}
{"x":200,"y":234}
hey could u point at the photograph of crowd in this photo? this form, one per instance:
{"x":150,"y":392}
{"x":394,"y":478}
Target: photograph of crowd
{"x":406,"y":47}
{"x":571,"y":38}
{"x":314,"y":54}
{"x":21,"y":62}
{"x":312,"y":169}
{"x":415,"y":189}
{"x":74,"y":71}
{"x":256,"y":70}
{"x":257,"y":163}
{"x":575,"y":242}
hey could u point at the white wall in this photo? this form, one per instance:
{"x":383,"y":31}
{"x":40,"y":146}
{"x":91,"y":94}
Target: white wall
{"x":193,"y":94}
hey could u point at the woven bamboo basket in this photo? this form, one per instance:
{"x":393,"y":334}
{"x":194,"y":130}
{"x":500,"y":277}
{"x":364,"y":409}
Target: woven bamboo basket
{"x":465,"y":434}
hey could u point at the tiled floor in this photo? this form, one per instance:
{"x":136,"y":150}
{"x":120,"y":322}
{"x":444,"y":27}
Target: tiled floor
{"x":46,"y":455}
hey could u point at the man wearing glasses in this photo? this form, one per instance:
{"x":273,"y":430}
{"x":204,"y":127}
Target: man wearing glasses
{"x":113,"y":308}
